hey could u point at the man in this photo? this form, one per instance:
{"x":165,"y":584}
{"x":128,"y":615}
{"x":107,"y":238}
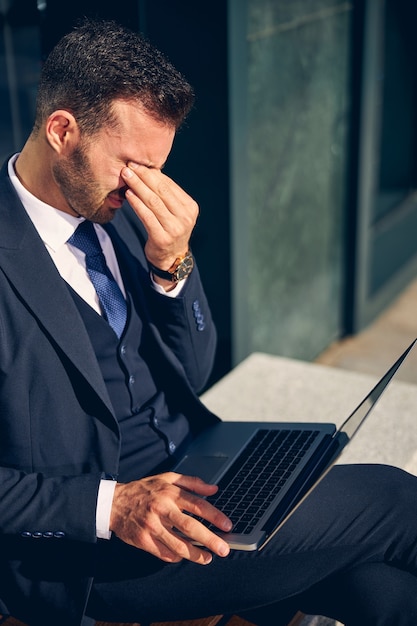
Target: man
{"x":99,"y":373}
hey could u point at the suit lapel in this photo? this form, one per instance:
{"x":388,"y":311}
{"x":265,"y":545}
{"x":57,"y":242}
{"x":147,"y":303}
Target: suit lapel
{"x":29,"y":268}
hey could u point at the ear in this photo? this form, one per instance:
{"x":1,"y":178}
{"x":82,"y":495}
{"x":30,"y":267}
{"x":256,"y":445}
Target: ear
{"x":62,"y":131}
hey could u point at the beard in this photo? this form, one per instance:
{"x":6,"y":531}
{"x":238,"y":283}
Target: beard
{"x":83,"y":194}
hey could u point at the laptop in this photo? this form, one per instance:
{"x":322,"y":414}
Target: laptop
{"x":264,"y":470}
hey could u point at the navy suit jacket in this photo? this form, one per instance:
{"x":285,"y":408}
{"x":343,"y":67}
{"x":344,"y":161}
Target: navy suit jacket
{"x":58,"y":432}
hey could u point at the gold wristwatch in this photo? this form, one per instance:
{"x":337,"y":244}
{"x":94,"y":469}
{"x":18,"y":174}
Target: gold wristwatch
{"x":180,"y":269}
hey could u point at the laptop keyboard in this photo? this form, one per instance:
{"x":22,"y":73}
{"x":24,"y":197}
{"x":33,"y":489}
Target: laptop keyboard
{"x":259,"y":473}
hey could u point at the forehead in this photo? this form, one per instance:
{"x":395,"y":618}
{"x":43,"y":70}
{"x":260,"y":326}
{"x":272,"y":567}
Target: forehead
{"x":140,"y":136}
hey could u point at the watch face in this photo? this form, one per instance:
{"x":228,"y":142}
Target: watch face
{"x":184,"y":268}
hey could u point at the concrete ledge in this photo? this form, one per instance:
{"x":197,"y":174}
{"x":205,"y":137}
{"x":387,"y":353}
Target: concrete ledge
{"x":271,"y":388}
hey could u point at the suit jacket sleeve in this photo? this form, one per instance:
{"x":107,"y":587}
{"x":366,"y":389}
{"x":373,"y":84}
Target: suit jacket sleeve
{"x":34,"y":506}
{"x":187,"y":328}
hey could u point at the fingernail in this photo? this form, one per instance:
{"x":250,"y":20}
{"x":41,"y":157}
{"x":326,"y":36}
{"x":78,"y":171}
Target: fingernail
{"x":223,"y":549}
{"x":126,"y":173}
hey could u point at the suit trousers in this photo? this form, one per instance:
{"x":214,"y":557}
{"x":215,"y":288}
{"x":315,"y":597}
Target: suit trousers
{"x":348,"y":552}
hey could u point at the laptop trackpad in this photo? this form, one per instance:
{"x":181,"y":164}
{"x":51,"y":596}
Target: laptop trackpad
{"x":206,"y":467}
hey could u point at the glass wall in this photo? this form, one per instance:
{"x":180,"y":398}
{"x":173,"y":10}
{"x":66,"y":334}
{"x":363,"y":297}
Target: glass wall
{"x":20,"y":62}
{"x":386,"y":255}
{"x":290,"y":112}
{"x":28,"y":31}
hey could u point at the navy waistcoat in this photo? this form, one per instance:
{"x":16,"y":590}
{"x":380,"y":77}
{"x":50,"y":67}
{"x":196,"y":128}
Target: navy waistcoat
{"x":151,"y":435}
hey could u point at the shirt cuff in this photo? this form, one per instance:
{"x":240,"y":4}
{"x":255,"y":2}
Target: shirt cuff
{"x":174,"y":292}
{"x":103,"y":511}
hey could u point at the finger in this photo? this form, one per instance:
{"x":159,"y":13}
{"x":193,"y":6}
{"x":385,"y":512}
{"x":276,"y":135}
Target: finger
{"x":201,"y":508}
{"x":172,"y":548}
{"x":160,"y":193}
{"x":165,"y":224}
{"x":153,"y":223}
{"x":198,"y":535}
{"x":193,"y":548}
{"x":158,"y":536}
{"x":153,"y":194}
{"x":162,"y":185}
{"x":196,"y":505}
{"x":166,"y":238}
{"x":157,"y":548}
{"x":193,"y":484}
{"x":143,"y":199}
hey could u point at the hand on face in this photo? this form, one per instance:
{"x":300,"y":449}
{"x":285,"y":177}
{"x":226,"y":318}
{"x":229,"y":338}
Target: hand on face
{"x":146,"y":514}
{"x":168,"y":213}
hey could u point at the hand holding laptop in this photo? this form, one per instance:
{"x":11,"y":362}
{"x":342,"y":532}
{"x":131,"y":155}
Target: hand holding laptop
{"x":147,"y":513}
{"x":158,"y":514}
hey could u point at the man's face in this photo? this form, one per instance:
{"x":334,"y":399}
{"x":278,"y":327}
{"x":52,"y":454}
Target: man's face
{"x":89,"y":178}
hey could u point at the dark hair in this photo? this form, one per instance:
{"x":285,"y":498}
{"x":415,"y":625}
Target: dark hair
{"x":101,"y":61}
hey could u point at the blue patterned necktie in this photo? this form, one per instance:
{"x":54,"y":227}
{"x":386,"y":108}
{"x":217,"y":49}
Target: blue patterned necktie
{"x":108,"y":291}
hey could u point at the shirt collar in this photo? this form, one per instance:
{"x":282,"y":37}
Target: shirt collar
{"x":54,"y":226}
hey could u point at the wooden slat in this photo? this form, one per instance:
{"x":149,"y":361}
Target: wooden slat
{"x":206,"y":621}
{"x":238,"y":621}
{"x":12,"y":621}
{"x":297,"y":619}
